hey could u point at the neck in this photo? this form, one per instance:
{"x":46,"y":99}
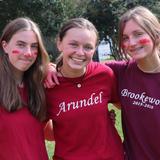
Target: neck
{"x":80,"y":74}
{"x":151,"y":70}
{"x":18,"y":75}
{"x":19,"y":79}
{"x":71,"y":74}
{"x":150,"y":65}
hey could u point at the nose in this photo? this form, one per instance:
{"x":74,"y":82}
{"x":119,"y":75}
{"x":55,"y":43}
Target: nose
{"x":80,"y":51}
{"x":28,"y":52}
{"x":132,"y":42}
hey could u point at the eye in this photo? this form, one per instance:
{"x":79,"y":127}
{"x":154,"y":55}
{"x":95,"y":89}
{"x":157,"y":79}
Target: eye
{"x":138,"y":34}
{"x":73,"y":45}
{"x":125,"y":38}
{"x":88,"y":48}
{"x":21,"y":45}
{"x":34,"y":46}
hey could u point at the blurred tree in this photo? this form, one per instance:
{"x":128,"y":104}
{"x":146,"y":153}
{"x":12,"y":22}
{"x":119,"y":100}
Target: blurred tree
{"x":49,"y":14}
{"x":105,"y":15}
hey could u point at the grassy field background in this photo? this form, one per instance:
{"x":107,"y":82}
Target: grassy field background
{"x":50,"y":145}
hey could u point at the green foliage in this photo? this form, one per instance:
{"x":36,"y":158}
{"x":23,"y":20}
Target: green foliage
{"x":49,"y":14}
{"x":104,"y":14}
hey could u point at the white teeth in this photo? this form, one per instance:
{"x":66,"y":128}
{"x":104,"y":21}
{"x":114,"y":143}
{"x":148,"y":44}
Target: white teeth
{"x":136,"y":49}
{"x":76,"y":59}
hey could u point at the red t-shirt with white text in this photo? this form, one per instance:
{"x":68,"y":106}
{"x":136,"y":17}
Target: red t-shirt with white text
{"x":82,"y":127}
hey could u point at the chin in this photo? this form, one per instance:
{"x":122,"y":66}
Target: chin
{"x":136,"y":58}
{"x":76,"y":66}
{"x":24,"y":69}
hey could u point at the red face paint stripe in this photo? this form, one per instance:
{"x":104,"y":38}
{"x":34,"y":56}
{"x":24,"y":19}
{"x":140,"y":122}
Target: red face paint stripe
{"x":124,"y":46}
{"x":15,"y":51}
{"x":35,"y":53}
{"x":144,"y":41}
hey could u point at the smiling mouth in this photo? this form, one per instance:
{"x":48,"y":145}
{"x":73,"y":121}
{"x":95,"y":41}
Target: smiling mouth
{"x":136,"y":49}
{"x":26,"y":61}
{"x":77,"y":59}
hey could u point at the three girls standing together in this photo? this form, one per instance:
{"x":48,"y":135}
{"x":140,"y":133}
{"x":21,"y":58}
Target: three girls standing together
{"x":78,"y":106}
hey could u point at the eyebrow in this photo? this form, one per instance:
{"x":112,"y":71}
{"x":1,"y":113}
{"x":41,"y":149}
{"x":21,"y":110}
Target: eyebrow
{"x":19,"y":41}
{"x":75,"y":41}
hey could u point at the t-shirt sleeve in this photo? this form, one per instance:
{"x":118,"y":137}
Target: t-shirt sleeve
{"x":118,"y":67}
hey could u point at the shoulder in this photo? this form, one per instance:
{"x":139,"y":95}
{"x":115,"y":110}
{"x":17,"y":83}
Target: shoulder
{"x":119,"y":65}
{"x":114,"y":63}
{"x":98,"y":68}
{"x":100,"y":72}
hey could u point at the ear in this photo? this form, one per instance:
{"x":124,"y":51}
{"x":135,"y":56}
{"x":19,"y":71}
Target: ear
{"x":59,"y":45}
{"x":4,"y":46}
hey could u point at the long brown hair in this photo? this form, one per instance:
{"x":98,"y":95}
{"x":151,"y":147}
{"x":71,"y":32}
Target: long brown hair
{"x":10,"y":97}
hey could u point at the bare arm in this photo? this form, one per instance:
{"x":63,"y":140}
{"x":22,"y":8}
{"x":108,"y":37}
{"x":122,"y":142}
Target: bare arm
{"x":48,"y":131}
{"x":51,"y":79}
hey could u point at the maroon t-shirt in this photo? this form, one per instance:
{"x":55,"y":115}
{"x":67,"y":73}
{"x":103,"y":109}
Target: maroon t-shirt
{"x":140,"y":98}
{"x":82,"y":127}
{"x":21,"y":136}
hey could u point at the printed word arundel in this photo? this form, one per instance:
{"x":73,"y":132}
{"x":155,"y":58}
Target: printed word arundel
{"x":92,"y":100}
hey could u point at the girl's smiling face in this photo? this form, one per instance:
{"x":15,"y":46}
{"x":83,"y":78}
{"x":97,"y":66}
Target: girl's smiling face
{"x":78,"y":47}
{"x":136,"y":42}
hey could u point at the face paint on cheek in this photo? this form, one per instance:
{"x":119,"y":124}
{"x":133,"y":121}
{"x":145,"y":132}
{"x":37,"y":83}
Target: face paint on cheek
{"x":32,"y":55}
{"x":144,"y":41}
{"x":35,"y":53}
{"x":15,"y":52}
{"x":124,"y":46}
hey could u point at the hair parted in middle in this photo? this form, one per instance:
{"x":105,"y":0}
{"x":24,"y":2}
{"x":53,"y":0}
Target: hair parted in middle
{"x":145,"y":19}
{"x":33,"y":77}
{"x":81,"y":23}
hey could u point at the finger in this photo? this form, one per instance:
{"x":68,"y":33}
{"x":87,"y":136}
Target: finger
{"x":49,"y":85}
{"x":52,"y":78}
{"x":56,"y":79}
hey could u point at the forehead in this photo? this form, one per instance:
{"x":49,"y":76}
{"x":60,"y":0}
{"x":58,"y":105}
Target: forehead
{"x":27,"y":36}
{"x":131,"y":26}
{"x":81,"y":35}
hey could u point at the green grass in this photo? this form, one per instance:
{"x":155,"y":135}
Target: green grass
{"x":50,"y":148}
{"x":50,"y":145}
{"x":118,"y":123}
